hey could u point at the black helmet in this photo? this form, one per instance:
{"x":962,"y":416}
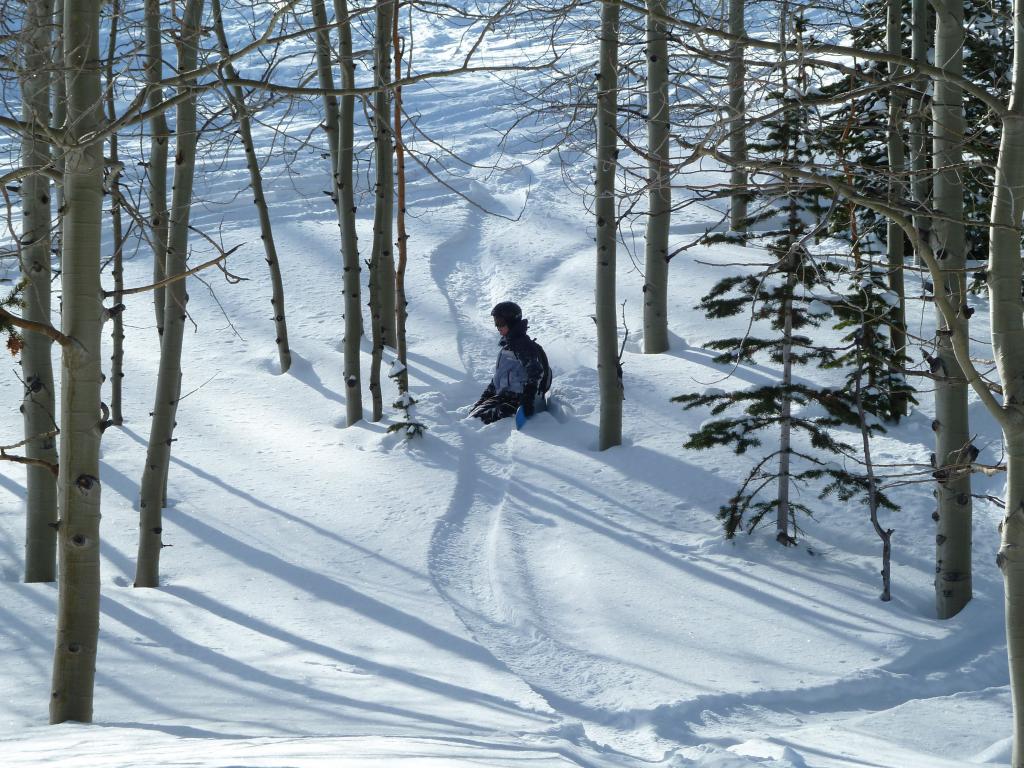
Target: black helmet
{"x":508,"y":311}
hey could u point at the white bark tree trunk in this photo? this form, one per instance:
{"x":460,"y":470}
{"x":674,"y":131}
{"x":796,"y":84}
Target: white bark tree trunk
{"x":159,"y":139}
{"x":737,"y":119}
{"x":38,"y":404}
{"x":347,"y":220}
{"x":608,"y":371}
{"x":897,"y":153}
{"x":953,"y":535}
{"x":168,"y":388}
{"x":325,"y":77}
{"x":241,"y":113}
{"x":59,"y":87}
{"x":1007,"y":317}
{"x":401,"y":303}
{"x":1011,"y":563}
{"x":920,"y":175}
{"x":382,"y":259}
{"x":78,"y":610}
{"x":790,"y":262}
{"x":1008,"y":341}
{"x":659,"y":183}
{"x":117,"y":226}
{"x":783,"y":514}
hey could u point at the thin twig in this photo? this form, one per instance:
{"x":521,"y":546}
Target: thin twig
{"x":177,"y":277}
{"x":41,"y":436}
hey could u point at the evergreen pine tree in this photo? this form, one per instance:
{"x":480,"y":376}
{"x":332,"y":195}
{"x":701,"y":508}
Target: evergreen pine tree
{"x":854,"y":135}
{"x":865,"y":312}
{"x":783,"y":296}
{"x":792,"y":295}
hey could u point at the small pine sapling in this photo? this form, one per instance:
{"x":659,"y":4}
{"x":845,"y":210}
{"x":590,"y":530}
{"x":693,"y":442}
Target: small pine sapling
{"x":865,"y":313}
{"x":405,"y":402}
{"x":790,"y":297}
{"x":804,"y":414}
{"x":872,"y":496}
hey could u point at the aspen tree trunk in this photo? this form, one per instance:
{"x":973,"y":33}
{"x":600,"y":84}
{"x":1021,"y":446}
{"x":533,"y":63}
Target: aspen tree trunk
{"x":401,"y":304}
{"x":346,"y":204}
{"x":78,"y":609}
{"x":241,"y":114}
{"x":1011,"y":563}
{"x":159,"y":139}
{"x":919,"y":170}
{"x":168,"y":388}
{"x":791,"y":262}
{"x":1007,"y":317}
{"x":1008,"y":341}
{"x":59,"y":110}
{"x":659,"y":183}
{"x":953,"y":535}
{"x":377,"y":354}
{"x":737,"y":119}
{"x":339,"y":127}
{"x":326,"y":79}
{"x":783,"y":513}
{"x":383,"y":245}
{"x":1007,"y":325}
{"x":608,"y":371}
{"x":382,"y":261}
{"x":38,"y":407}
{"x":897,"y":193}
{"x":117,"y":269}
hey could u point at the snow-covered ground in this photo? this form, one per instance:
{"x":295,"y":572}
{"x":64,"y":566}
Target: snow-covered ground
{"x":481,"y":596}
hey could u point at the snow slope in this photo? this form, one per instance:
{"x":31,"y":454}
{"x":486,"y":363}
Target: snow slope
{"x":341,"y":597}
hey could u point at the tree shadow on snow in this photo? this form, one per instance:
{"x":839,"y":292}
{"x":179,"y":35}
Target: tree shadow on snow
{"x":404,"y":677}
{"x":331,"y":591}
{"x":249,"y":679}
{"x":181,"y":731}
{"x":693,"y":563}
{"x":129,"y":489}
{"x":14,"y":626}
{"x":751,"y":373}
{"x":302,"y":370}
{"x":797,"y":597}
{"x":14,"y":487}
{"x":321,"y":587}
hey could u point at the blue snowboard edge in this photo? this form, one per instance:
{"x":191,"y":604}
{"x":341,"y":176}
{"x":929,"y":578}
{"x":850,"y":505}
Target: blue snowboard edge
{"x":542,"y":403}
{"x":520,"y":417}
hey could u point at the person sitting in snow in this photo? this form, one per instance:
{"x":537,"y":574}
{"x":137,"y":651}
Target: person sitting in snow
{"x":521,"y":375}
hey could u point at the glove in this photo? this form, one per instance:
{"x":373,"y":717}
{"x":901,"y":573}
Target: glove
{"x":487,"y":395}
{"x":529,"y":395}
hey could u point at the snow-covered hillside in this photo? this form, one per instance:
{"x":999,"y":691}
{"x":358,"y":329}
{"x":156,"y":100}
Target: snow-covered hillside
{"x":481,"y":596}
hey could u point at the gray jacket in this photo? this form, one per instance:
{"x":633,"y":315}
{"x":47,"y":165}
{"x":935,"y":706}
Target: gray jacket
{"x":519,"y":367}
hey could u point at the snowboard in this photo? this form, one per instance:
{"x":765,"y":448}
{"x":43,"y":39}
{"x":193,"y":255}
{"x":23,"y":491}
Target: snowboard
{"x":521,"y":417}
{"x":550,"y":405}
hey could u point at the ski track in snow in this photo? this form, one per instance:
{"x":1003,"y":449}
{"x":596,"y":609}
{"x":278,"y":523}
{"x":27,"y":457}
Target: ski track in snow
{"x":478,"y":558}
